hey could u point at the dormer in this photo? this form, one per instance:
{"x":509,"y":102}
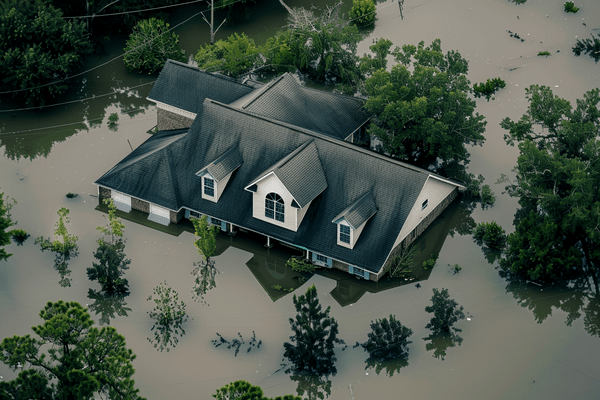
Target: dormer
{"x":351,"y":221}
{"x":282,"y":194}
{"x":216,"y":174}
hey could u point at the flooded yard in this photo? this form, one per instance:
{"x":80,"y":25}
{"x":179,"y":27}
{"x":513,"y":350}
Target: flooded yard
{"x":520,"y":341}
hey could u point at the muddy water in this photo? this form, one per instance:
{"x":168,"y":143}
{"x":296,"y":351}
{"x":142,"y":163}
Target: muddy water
{"x":517,"y":344}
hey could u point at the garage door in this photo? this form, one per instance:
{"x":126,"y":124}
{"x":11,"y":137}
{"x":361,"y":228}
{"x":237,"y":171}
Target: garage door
{"x":122,"y":202}
{"x":159,"y":215}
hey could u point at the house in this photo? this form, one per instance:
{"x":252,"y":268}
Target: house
{"x":280,"y":160}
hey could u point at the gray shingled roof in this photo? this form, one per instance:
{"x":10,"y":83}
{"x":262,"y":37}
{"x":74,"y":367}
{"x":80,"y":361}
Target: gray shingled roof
{"x":359,"y":211}
{"x":284,"y":99}
{"x":224,"y":165}
{"x":301,"y":173}
{"x":350,"y":172}
{"x":185,"y":87}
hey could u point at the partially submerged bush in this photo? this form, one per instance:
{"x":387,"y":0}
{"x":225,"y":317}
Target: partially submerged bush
{"x":363,"y":13}
{"x":19,"y":236}
{"x":71,"y":195}
{"x":491,"y":234}
{"x":489,"y":88}
{"x":570,"y":7}
{"x":300,"y":264}
{"x":544,"y":53}
{"x":588,"y":46}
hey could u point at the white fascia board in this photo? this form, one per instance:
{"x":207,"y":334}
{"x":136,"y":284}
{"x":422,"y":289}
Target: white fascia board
{"x":255,"y":182}
{"x":458,"y":185}
{"x":173,"y":109}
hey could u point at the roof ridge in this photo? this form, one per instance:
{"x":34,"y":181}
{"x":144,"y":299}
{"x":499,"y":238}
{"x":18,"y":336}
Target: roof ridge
{"x":328,"y":138}
{"x":293,"y":154}
{"x":263,"y":90}
{"x":197,"y":69}
{"x":341,"y":95}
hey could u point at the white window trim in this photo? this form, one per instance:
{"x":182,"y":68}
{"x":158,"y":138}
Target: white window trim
{"x":339,"y":232}
{"x":215,"y":188}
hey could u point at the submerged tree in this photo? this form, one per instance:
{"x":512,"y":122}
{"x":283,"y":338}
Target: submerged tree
{"x":446,"y":312}
{"x":387,"y":340}
{"x":169,"y":316}
{"x":311,"y":347}
{"x":71,"y":359}
{"x":490,"y":234}
{"x":588,"y":46}
{"x":441,"y":342}
{"x":242,"y":390}
{"x":107,"y":306}
{"x":557,"y":183}
{"x":204,"y":271}
{"x":236,"y":55}
{"x":5,"y":223}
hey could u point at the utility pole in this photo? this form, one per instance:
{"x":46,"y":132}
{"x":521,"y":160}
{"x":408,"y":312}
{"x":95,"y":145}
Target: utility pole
{"x":400,"y":4}
{"x":211,"y":23}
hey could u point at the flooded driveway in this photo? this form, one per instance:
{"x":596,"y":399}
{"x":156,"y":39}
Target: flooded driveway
{"x":521,"y":342}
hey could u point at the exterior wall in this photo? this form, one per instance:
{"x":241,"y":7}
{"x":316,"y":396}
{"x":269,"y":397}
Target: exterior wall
{"x":168,"y":120}
{"x":221,"y":185}
{"x":175,"y":217}
{"x":272,"y":184}
{"x":344,"y":267}
{"x":104,"y":193}
{"x":140,"y":205}
{"x":421,"y":227}
{"x":300,"y":213}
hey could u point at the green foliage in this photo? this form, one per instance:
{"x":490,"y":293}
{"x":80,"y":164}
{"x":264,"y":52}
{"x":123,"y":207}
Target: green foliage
{"x":423,"y":114}
{"x":370,"y":63}
{"x":38,"y":47}
{"x":279,"y":287}
{"x":404,"y":262}
{"x":233,"y":57}
{"x":169,"y":316}
{"x":19,"y":236}
{"x":71,"y":359}
{"x":446,"y":312}
{"x":150,"y":45}
{"x":242,"y":390}
{"x":588,"y":46}
{"x":5,"y":223}
{"x":489,"y":88}
{"x":558,"y":187}
{"x":311,"y":349}
{"x":67,"y":247}
{"x":301,"y":264}
{"x":544,"y":53}
{"x":112,"y":121}
{"x":71,"y":195}
{"x":110,"y":268}
{"x":431,"y":262}
{"x":490,"y":234}
{"x":237,"y":343}
{"x":387,"y":340}
{"x":204,"y":274}
{"x":115,"y":227}
{"x":207,"y":237}
{"x":570,"y":7}
{"x":455,"y":268}
{"x":363,"y":13}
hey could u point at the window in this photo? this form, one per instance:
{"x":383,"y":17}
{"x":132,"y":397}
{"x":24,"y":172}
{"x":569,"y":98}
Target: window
{"x":344,"y":233}
{"x":359,"y":271}
{"x":321,"y":258}
{"x":424,"y":205}
{"x":215,"y":221}
{"x":274,"y":207}
{"x":194,"y":214}
{"x":209,"y":187}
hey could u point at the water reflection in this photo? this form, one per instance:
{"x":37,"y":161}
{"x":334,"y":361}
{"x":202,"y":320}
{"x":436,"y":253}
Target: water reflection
{"x":390,"y":366}
{"x":204,"y":274}
{"x":441,"y":342}
{"x":107,"y":306}
{"x":61,"y":264}
{"x":312,"y":387}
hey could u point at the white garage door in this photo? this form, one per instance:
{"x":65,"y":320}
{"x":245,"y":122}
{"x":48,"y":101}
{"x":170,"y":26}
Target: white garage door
{"x":159,"y":214}
{"x":122,"y":202}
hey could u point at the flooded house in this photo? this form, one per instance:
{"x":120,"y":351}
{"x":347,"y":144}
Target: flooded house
{"x":281,"y":160}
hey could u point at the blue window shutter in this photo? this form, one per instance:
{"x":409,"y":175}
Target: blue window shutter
{"x":329,"y":262}
{"x":187,"y":214}
{"x":314,"y":256}
{"x":224,"y":226}
{"x":209,"y":220}
{"x":351,"y":269}
{"x":366,"y":275}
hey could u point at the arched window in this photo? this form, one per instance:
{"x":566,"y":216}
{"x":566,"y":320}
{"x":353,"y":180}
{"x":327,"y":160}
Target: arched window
{"x":274,"y":207}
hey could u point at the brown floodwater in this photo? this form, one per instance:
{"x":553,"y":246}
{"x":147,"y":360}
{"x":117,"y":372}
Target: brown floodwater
{"x":522,"y":341}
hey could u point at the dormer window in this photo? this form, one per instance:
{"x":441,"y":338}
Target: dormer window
{"x":344,"y":233}
{"x":209,"y":187}
{"x":275,"y":207}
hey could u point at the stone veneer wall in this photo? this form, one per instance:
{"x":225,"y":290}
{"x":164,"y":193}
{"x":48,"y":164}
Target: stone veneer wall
{"x":140,"y":205}
{"x":168,"y":121}
{"x":423,"y":225}
{"x":175,"y":217}
{"x":344,"y":267}
{"x":104,"y":193}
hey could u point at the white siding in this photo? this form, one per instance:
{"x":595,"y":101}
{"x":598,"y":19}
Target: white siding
{"x":434,"y":191}
{"x":272,"y":184}
{"x":221,"y":186}
{"x":301,"y":212}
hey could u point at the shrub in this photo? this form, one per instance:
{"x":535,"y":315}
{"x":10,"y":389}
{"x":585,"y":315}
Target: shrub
{"x":488,"y":88}
{"x":431,"y":262}
{"x":300,"y":264}
{"x":544,"y":53}
{"x":71,"y":195}
{"x":491,"y":234}
{"x":363,"y":12}
{"x":588,"y":46}
{"x":19,"y":236}
{"x":387,"y":340}
{"x":113,"y":119}
{"x":570,"y":7}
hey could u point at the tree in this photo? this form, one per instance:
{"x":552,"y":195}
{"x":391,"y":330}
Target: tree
{"x":311,"y":347}
{"x":381,"y":49}
{"x":71,"y":359}
{"x":588,"y":46}
{"x":557,"y":183}
{"x":115,"y":227}
{"x":489,"y":88}
{"x":324,"y":47}
{"x":423,"y":113}
{"x":242,"y":390}
{"x":150,"y":45}
{"x":38,"y":48}
{"x":446,"y":312}
{"x":65,"y":248}
{"x":491,"y":234}
{"x":363,"y":13}
{"x":387,"y":340}
{"x":232,"y":57}
{"x":169,"y":315}
{"x":205,"y":271}
{"x":5,"y":223}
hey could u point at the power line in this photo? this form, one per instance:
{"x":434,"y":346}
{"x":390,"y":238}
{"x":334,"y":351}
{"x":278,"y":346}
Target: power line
{"x":134,"y":11}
